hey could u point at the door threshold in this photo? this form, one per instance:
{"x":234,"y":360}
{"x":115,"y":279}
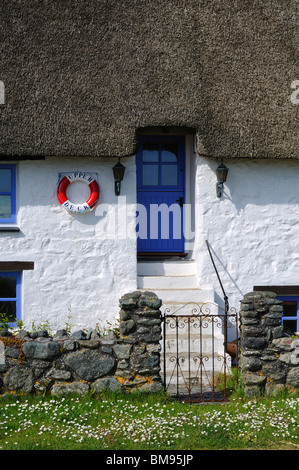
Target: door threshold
{"x":160,"y":256}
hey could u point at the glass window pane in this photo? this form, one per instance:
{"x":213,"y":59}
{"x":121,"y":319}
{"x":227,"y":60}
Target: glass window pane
{"x":290,"y":308}
{"x":5,"y":180}
{"x":150,"y":152}
{"x":5,"y":207}
{"x":8,"y":287}
{"x":150,"y":175}
{"x":169,"y":152}
{"x":8,"y":311}
{"x":169,"y":175}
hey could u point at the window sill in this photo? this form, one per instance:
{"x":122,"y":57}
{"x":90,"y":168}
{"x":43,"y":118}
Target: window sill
{"x":9,"y":228}
{"x":16,"y":265}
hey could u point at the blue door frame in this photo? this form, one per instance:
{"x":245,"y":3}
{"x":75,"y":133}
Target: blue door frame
{"x":160,"y":194}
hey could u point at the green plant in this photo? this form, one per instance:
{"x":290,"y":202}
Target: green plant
{"x":4,"y":321}
{"x":68,"y":324}
{"x":122,"y":421}
{"x":14,"y":341}
{"x":104,"y":329}
{"x":231,"y":382}
{"x":19,"y":326}
{"x":42,"y":326}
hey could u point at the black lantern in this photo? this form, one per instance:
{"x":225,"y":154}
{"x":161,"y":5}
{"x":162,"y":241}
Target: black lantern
{"x":222,"y":171}
{"x":118,"y":172}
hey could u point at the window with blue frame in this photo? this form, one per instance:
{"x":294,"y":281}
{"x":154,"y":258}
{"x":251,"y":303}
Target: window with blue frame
{"x":10,"y":297}
{"x":7,"y":194}
{"x":290,"y":319}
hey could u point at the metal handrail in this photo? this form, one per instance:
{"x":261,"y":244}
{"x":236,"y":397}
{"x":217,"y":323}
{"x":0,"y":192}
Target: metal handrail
{"x":226,"y":304}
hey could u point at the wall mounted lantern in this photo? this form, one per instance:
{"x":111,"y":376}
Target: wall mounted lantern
{"x":118,"y":172}
{"x":221,"y":178}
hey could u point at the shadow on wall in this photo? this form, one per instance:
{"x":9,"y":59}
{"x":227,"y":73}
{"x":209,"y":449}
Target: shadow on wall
{"x":261,"y":182}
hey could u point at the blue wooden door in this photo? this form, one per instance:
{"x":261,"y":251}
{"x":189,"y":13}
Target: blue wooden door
{"x":160,"y":194}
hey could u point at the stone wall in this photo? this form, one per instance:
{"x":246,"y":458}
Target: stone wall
{"x":36,"y":363}
{"x":269,"y":360}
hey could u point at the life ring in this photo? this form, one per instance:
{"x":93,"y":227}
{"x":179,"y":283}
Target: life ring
{"x":78,"y":176}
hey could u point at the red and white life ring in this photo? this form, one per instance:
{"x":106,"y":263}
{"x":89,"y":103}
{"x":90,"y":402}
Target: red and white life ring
{"x":78,"y":176}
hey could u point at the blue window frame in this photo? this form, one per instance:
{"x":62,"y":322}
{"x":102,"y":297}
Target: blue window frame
{"x":10,"y":297}
{"x":290,"y":319}
{"x":7,"y":194}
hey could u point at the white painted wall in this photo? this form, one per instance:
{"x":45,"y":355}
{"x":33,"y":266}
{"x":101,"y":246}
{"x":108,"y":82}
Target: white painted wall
{"x":77,"y":265}
{"x":253,"y":229}
{"x":85,"y":262}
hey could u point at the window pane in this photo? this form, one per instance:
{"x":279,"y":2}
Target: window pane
{"x":150,"y":175}
{"x":169,"y":152}
{"x":5,"y":207}
{"x":8,"y":311}
{"x":290,"y":308}
{"x":150,"y":152}
{"x":8,"y":287}
{"x":289,"y":326}
{"x":169,"y":175}
{"x":5,"y":180}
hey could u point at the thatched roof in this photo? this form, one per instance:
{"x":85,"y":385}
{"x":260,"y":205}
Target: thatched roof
{"x":82,"y":76}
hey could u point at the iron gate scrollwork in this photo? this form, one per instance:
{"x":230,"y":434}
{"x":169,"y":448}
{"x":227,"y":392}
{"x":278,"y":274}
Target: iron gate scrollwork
{"x":197,"y":353}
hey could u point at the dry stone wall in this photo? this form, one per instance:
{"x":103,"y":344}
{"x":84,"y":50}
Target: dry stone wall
{"x":37,"y":363}
{"x":269,"y":360}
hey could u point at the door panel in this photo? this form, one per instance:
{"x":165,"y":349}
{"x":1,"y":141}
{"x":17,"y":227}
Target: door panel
{"x":160,"y":194}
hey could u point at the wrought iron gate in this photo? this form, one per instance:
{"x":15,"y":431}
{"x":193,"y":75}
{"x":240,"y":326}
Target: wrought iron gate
{"x":197,"y":354}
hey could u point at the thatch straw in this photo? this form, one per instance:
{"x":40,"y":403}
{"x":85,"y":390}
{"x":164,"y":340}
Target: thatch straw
{"x":82,"y":76}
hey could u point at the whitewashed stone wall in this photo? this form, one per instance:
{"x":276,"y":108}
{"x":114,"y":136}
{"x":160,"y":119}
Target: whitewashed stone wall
{"x":78,"y":268}
{"x":36,"y":362}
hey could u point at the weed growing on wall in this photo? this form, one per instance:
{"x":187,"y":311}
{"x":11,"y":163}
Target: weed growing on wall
{"x":42,"y":326}
{"x":68,"y":324}
{"x":104,"y":328}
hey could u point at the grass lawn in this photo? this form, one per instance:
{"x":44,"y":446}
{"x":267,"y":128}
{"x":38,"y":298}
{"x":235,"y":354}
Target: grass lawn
{"x":146,"y":422}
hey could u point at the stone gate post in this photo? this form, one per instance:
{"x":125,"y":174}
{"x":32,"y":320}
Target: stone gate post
{"x":269,"y":360}
{"x":139,"y":344}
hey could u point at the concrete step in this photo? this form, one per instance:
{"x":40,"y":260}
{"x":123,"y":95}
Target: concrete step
{"x":167,"y":282}
{"x":167,"y":268}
